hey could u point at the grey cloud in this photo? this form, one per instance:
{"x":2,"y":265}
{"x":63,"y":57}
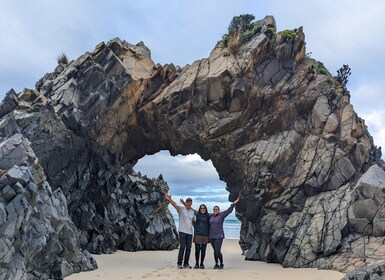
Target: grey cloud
{"x":202,"y":192}
{"x":175,"y":171}
{"x":216,"y":199}
{"x":195,"y":178}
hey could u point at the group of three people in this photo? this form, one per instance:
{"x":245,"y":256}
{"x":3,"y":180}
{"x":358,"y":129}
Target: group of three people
{"x":207,"y":228}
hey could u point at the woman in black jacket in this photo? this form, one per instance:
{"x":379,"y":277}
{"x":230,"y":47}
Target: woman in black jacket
{"x":201,"y":234}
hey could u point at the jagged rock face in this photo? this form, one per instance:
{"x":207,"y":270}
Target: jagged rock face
{"x":111,"y":206}
{"x":281,"y":135}
{"x":34,"y":223}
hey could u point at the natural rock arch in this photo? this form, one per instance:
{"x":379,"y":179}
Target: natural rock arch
{"x":281,"y":135}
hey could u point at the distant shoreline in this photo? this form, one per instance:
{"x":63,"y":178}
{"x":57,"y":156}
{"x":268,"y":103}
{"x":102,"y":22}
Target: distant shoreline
{"x":231,"y":227}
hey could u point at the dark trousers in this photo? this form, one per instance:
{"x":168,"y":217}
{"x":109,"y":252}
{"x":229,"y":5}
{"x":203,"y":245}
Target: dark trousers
{"x":200,"y":249}
{"x":217,"y":245}
{"x":185,"y":241}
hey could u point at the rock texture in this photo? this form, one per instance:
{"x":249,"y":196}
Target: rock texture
{"x":110,"y":206}
{"x":281,"y":135}
{"x":34,"y":223}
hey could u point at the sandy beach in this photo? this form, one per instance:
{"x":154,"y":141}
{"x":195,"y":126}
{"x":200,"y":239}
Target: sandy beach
{"x":162,"y":265}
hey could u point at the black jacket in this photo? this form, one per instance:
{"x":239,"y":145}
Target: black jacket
{"x":202,"y":225}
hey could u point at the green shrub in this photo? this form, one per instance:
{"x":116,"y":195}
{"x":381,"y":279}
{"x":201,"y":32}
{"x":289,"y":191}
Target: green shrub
{"x":240,"y":23}
{"x":240,"y":31}
{"x":366,"y":130}
{"x":320,"y":68}
{"x":288,"y":33}
{"x":248,"y":33}
{"x":270,"y":33}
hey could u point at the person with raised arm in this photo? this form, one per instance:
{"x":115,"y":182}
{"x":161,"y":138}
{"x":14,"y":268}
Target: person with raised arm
{"x":217,"y":234}
{"x":186,"y":215}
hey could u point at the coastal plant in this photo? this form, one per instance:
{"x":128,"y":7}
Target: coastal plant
{"x":320,"y":68}
{"x":288,"y":33}
{"x":241,"y":29}
{"x":62,"y":59}
{"x":343,"y":75}
{"x":249,"y":32}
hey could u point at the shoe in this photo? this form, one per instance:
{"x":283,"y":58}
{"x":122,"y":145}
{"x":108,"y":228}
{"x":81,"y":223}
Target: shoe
{"x":221,"y":266}
{"x":202,"y":266}
{"x":180,"y":266}
{"x":187,"y":266}
{"x":216,"y":266}
{"x":196,"y":266}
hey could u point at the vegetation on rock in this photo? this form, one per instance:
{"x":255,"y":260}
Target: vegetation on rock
{"x":343,"y":75}
{"x":241,"y":29}
{"x":320,"y":68}
{"x":288,"y":33}
{"x":62,"y":59}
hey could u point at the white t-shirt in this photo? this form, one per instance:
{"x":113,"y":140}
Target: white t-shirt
{"x":185,"y":220}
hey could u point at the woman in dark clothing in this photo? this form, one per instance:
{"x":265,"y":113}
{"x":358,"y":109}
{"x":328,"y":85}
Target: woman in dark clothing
{"x":201,"y":234}
{"x":217,"y":234}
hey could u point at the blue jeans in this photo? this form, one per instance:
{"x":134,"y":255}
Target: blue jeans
{"x":185,"y":242}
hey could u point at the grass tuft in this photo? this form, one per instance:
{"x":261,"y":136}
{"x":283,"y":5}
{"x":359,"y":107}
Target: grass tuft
{"x":62,"y":59}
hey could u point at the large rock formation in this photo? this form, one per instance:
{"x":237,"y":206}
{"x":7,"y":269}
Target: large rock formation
{"x":280,"y":133}
{"x":38,"y":240}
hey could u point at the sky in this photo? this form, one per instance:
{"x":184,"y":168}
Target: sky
{"x":187,"y":176}
{"x":33,"y":33}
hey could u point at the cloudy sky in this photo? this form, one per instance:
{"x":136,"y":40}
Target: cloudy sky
{"x":34,"y":32}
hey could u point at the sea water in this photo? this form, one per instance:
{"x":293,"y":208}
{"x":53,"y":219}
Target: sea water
{"x":231,"y":227}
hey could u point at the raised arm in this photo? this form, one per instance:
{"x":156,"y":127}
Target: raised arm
{"x":169,"y":199}
{"x":230,"y":209}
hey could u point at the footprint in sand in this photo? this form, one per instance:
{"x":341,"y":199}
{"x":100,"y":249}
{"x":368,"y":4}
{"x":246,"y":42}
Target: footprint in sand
{"x":147,"y":275}
{"x":155,"y":274}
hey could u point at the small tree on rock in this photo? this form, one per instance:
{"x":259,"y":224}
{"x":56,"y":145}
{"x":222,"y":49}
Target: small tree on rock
{"x":343,"y":75}
{"x":238,"y":31}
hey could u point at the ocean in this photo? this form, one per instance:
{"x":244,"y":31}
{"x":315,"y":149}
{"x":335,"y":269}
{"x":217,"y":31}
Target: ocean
{"x":231,"y":227}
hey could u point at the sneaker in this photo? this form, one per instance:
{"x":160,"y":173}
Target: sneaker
{"x":202,"y":266}
{"x":216,"y":266}
{"x":180,"y":266}
{"x":221,"y":266}
{"x":196,"y":266}
{"x":187,"y":266}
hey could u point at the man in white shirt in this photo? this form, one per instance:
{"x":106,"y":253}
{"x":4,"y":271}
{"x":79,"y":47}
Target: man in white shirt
{"x":186,"y":215}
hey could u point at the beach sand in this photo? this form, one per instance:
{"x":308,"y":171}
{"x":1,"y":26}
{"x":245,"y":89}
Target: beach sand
{"x":162,"y":265}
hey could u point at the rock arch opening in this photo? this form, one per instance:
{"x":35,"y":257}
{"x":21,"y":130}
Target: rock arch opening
{"x":190,"y":176}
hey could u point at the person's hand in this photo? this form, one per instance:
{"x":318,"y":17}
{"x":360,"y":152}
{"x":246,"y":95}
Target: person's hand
{"x":236,"y":201}
{"x":182,"y":201}
{"x":167,"y":197}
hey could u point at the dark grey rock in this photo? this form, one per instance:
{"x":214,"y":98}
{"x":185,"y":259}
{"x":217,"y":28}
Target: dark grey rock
{"x":9,"y":103}
{"x":7,"y":251}
{"x":18,"y":174}
{"x":36,"y":232}
{"x":8,"y":193}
